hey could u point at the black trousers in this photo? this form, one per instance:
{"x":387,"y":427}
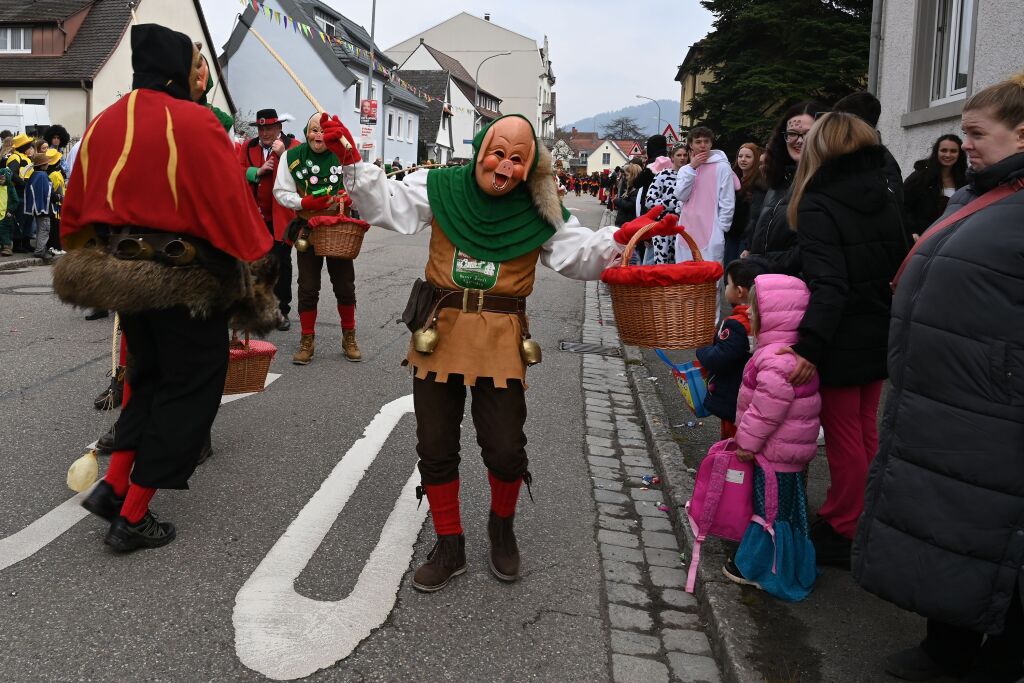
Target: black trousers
{"x":341,"y":271}
{"x":499,"y":416}
{"x":960,"y":649}
{"x":283,"y":289}
{"x":177,"y":372}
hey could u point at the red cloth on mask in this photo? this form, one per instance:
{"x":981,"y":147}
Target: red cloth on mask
{"x":169,"y":166}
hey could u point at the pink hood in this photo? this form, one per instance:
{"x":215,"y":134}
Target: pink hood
{"x":773,"y":417}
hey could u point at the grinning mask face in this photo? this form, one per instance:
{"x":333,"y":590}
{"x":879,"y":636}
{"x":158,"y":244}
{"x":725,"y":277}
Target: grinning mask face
{"x":506,"y":156}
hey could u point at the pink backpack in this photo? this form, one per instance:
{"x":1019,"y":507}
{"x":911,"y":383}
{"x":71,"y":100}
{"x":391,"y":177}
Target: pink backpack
{"x":723,"y":500}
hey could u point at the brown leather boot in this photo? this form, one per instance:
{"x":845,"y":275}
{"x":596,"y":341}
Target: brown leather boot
{"x":504,"y":551}
{"x":307,"y":346}
{"x":349,"y":346}
{"x":447,"y":559}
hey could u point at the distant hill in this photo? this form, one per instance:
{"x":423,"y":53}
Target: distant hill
{"x":645,"y":113}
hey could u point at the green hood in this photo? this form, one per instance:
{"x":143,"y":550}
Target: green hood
{"x":485,"y":227}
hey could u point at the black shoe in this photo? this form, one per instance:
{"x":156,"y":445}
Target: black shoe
{"x":105,"y":444}
{"x":733,"y":573}
{"x":96,"y":314}
{"x":914,"y":664}
{"x":125,"y":537}
{"x":102,"y":502}
{"x":112,"y":396}
{"x":831,"y":548}
{"x":285,"y":324}
{"x":207,"y":451}
{"x":46,"y":258}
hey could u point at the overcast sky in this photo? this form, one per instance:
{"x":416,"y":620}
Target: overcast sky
{"x":602,"y":50}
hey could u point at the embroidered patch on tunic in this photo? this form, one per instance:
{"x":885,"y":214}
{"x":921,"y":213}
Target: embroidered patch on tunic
{"x":471,"y":273}
{"x":724,"y":334}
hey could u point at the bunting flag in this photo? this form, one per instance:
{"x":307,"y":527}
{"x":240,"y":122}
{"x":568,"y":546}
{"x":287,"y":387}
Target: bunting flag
{"x":309,"y":31}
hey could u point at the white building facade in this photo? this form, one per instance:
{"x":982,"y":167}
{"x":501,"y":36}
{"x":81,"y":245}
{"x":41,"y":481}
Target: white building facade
{"x":933,"y":55}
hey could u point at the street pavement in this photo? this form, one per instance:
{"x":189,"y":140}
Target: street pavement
{"x":296,"y":539}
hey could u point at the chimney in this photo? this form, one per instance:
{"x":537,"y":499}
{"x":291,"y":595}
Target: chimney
{"x":574,"y":131}
{"x":422,"y":40}
{"x":487,"y":16}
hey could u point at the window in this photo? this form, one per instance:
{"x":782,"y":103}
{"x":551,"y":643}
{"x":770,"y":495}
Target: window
{"x":399,"y":136}
{"x":33,"y":97}
{"x":391,"y":123}
{"x":951,"y":54}
{"x":359,"y":94}
{"x":606,"y":159}
{"x":16,"y":40}
{"x":409,"y":137}
{"x":444,"y":122}
{"x":325,"y":23}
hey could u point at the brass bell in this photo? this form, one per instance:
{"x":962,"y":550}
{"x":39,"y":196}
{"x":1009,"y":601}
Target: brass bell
{"x":530,"y":351}
{"x":302,"y":245}
{"x":425,"y":340}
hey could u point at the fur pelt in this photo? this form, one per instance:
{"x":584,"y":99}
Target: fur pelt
{"x":91,"y":278}
{"x":543,"y":189}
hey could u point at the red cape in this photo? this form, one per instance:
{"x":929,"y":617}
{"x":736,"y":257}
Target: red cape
{"x":154,"y":161}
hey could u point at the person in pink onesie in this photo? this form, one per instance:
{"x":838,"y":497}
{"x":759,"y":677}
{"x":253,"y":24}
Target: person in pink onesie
{"x":776,"y":423}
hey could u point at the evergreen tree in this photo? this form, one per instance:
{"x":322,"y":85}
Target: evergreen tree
{"x":768,"y":54}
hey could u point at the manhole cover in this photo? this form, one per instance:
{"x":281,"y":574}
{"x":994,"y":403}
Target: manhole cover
{"x":583,"y":347}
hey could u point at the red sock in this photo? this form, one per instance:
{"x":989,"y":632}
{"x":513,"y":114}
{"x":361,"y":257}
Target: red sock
{"x":504,"y":495}
{"x":444,"y":507}
{"x":136,"y":503}
{"x":308,"y":321}
{"x":118,"y":470}
{"x":348,"y":316}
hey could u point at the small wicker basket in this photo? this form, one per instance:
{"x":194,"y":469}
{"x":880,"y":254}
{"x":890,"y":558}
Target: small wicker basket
{"x":343,"y":240}
{"x":248,"y":365}
{"x":676,"y":316}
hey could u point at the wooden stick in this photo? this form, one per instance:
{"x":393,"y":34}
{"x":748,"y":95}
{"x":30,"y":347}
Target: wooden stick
{"x":284,"y":65}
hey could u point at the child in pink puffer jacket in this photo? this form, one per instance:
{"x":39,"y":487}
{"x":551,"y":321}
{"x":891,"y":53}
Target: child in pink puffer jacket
{"x":777,"y":423}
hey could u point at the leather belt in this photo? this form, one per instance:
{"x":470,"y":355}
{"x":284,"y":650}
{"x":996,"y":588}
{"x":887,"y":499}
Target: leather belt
{"x":477,"y":301}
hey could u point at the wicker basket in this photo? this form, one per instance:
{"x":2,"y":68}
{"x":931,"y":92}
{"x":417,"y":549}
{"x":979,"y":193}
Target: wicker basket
{"x":343,"y":240}
{"x":678,"y":316}
{"x":248,"y":365}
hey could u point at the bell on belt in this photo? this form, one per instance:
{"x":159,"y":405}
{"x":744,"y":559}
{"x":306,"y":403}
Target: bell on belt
{"x":425,"y":340}
{"x":530,"y":351}
{"x":302,"y":244}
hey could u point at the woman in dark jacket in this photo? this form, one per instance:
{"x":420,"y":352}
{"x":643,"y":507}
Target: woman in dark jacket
{"x":943,"y":526}
{"x":771,"y":239}
{"x":751,"y":193}
{"x":927,"y":191}
{"x":851,"y":242}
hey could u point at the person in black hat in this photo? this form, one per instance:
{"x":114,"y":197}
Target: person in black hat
{"x":259,"y":157}
{"x":164,"y":247}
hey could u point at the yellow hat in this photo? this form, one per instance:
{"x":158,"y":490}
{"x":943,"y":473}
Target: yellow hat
{"x":53,"y":156}
{"x":21,"y":139}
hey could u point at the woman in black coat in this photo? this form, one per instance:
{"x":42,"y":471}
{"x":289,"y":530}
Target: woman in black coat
{"x":943,"y":526}
{"x":771,"y":240}
{"x":851,"y":242}
{"x":927,"y":191}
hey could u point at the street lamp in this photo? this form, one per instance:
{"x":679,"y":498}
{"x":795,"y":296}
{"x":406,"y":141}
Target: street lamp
{"x":658,"y":104}
{"x":476,"y":86}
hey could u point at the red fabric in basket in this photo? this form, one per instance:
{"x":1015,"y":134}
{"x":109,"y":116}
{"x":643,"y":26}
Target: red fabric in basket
{"x":256,"y":348}
{"x":689,"y":273}
{"x":319,"y":221}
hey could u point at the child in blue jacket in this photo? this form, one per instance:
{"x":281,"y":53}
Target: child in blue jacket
{"x":724,"y":358}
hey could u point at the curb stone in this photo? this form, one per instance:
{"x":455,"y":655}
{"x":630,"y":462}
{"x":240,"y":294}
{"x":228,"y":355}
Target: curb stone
{"x":17,"y":263}
{"x":731,"y":632}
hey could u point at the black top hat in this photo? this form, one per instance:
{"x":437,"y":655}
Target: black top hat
{"x":268,"y":117}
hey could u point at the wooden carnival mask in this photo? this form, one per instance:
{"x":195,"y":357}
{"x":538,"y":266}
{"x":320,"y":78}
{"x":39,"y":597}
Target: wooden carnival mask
{"x":506,"y":156}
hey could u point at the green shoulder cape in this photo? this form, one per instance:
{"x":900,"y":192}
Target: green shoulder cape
{"x":485,"y":227}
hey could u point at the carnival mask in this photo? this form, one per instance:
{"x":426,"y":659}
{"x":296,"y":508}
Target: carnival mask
{"x":506,"y":156}
{"x":315,"y":134}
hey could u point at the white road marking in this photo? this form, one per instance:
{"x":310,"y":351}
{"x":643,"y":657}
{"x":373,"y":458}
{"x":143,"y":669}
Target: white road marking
{"x":40,"y":533}
{"x":271,"y":376}
{"x":284,"y":635}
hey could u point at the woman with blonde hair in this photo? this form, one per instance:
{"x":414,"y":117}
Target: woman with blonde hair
{"x":943,"y":527}
{"x":851,"y":242}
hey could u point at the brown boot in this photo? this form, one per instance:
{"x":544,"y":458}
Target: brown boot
{"x":307,"y":346}
{"x":349,"y":346}
{"x":447,"y":559}
{"x":504,"y":551}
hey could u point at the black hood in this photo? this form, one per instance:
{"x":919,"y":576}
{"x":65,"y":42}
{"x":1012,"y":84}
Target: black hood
{"x":1008,"y":169}
{"x":161,"y":60}
{"x":856,"y":179}
{"x":657,"y":146}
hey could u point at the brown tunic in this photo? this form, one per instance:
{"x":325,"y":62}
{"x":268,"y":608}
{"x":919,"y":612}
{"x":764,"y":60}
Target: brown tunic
{"x":475,"y":344}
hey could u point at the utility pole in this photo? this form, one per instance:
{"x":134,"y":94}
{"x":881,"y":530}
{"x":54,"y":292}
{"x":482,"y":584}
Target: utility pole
{"x":476,"y":87}
{"x":369,"y":82}
{"x":657,"y":104}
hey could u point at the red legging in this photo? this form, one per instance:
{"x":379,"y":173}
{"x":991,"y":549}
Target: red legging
{"x":850,"y":418}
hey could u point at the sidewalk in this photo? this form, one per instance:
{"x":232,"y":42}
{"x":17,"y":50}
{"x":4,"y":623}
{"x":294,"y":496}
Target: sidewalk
{"x":840,"y":633}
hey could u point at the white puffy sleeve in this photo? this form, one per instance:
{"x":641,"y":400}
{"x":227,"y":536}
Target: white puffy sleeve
{"x":580,"y":253}
{"x":400,"y":206}
{"x":285,"y":191}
